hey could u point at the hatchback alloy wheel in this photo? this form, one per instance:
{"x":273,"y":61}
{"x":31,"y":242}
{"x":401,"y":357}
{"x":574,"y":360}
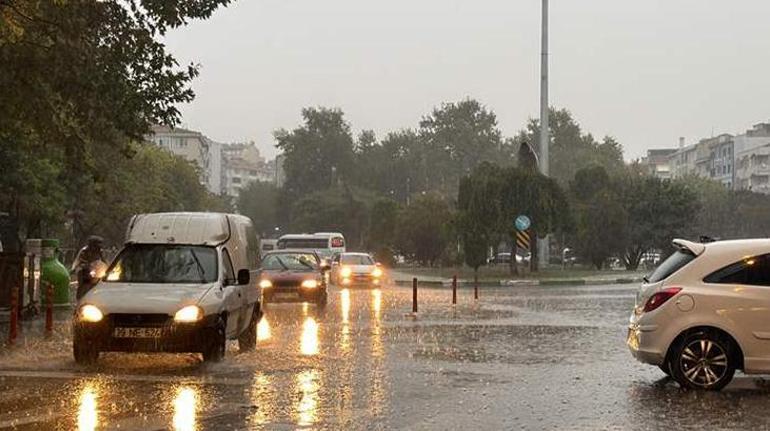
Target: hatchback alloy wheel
{"x":704,"y":361}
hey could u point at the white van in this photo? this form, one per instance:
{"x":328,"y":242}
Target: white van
{"x":325,"y":244}
{"x":182,"y":283}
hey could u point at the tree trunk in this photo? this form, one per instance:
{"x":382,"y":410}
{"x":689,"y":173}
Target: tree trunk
{"x":533,"y":257}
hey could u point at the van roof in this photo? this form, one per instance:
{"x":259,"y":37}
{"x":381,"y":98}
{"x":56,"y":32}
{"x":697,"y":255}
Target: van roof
{"x":310,"y":235}
{"x":179,"y":228}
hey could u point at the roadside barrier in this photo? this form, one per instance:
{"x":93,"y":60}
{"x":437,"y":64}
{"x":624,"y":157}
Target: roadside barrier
{"x":13,"y":331}
{"x":454,"y":289}
{"x":49,"y":309}
{"x":414,"y":295}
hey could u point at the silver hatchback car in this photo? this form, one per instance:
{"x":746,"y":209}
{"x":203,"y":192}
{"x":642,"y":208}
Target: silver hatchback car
{"x":705,"y":313}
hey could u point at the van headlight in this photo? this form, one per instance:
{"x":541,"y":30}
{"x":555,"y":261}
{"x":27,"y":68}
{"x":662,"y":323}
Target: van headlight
{"x":310,"y":284}
{"x":90,"y":313}
{"x":191,"y":313}
{"x":265,"y":283}
{"x":346,"y":271}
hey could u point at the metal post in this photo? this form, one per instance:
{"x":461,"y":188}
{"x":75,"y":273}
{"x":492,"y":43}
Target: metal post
{"x":476,"y":286}
{"x":454,"y":289}
{"x":49,"y":309}
{"x":414,"y":295}
{"x":544,"y":121}
{"x":13,"y":331}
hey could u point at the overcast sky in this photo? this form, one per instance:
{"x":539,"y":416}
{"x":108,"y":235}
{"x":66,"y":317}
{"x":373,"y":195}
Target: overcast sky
{"x":645,"y":71}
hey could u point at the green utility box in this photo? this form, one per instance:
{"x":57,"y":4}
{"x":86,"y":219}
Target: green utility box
{"x":55,"y":273}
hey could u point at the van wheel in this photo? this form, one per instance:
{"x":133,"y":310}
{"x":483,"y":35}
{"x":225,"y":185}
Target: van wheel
{"x":247,"y":341}
{"x":215,"y":350}
{"x":703,"y":360}
{"x":85,"y":353}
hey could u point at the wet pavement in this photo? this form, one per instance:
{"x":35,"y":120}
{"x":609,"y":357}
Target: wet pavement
{"x":519,"y":358}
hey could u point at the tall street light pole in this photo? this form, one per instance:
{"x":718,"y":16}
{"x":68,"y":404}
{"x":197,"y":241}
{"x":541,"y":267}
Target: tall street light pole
{"x":544,"y":123}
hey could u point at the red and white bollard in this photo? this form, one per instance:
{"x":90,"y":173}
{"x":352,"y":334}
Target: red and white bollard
{"x":49,"y":309}
{"x":414,"y":295}
{"x":454,"y":289}
{"x":13,"y":331}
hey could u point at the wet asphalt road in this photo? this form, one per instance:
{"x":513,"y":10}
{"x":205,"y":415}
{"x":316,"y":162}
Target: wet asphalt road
{"x":520,"y":358}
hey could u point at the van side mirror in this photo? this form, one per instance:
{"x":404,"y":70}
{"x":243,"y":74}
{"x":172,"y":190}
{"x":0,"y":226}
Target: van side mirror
{"x":244,"y":276}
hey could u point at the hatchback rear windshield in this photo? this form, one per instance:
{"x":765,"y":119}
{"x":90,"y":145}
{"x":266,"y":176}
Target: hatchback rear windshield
{"x":676,"y":261}
{"x":356,"y":259}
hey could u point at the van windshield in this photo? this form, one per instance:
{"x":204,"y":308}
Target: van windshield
{"x":164,"y":263}
{"x":674,"y":263}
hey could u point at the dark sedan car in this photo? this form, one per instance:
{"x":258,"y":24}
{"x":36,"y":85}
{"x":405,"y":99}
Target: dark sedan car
{"x":293,"y":276}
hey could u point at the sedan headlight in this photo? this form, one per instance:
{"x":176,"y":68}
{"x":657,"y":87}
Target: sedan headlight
{"x":191,"y":313}
{"x":346,"y":271}
{"x":377,"y":273}
{"x":265,"y":283}
{"x":310,"y":284}
{"x":90,"y":313}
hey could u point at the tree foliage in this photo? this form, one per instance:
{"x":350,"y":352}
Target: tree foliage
{"x":259,"y":201}
{"x":571,"y":148}
{"x":423,"y":229}
{"x":79,"y":82}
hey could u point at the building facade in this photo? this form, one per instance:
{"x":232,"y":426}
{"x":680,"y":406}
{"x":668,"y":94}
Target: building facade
{"x":194,"y":147}
{"x":657,"y":162}
{"x":752,"y":159}
{"x":244,"y":164}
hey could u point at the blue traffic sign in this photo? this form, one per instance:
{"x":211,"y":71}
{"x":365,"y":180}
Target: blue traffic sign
{"x":522,"y":222}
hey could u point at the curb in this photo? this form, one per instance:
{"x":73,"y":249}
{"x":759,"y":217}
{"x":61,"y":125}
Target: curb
{"x":523,"y":283}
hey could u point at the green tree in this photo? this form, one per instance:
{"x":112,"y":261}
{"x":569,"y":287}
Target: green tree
{"x":572,"y":149}
{"x":318,"y":154}
{"x":422,"y":232}
{"x":382,"y":229}
{"x":658,"y":210}
{"x":599,"y":216}
{"x":456,"y":138}
{"x":480,"y":213}
{"x":259,"y":201}
{"x":79,"y":81}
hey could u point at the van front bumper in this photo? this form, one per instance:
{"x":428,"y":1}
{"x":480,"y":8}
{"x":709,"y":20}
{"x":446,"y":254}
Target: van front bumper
{"x":172,"y":337}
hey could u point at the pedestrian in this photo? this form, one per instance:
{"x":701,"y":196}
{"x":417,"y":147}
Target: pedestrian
{"x":86,"y":260}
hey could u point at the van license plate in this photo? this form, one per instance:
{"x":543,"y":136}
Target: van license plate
{"x":137,"y":333}
{"x":285,"y":295}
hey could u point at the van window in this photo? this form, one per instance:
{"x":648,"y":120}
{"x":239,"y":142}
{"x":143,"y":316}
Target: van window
{"x":229,"y":274}
{"x":753,"y":271}
{"x":303,"y":243}
{"x":674,"y":263}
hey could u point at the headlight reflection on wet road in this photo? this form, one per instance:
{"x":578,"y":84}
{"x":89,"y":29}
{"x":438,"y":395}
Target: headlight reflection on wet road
{"x":88,"y":413}
{"x":307,"y":407}
{"x":376,"y":302}
{"x":345,"y":304}
{"x":185,"y":409}
{"x":309,"y":342}
{"x":263,"y":329}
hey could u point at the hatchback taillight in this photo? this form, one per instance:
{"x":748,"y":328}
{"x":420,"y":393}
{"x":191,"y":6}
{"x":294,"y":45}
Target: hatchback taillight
{"x":660,"y":298}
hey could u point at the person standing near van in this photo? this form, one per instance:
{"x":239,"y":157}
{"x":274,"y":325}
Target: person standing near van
{"x":84,"y":261}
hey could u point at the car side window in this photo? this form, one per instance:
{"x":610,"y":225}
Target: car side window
{"x":752,"y":271}
{"x":227,"y":265}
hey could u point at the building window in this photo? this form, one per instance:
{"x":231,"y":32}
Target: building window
{"x":236,"y":180}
